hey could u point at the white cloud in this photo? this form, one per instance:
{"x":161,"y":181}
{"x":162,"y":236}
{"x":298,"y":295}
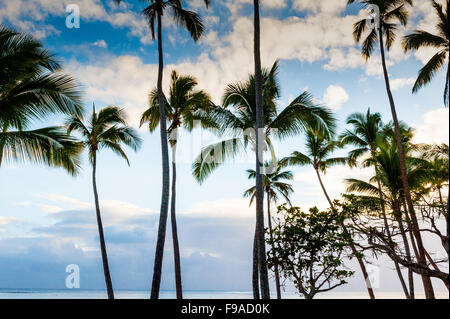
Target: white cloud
{"x":100,"y":43}
{"x":5,"y":221}
{"x":397,"y":84}
{"x":335,"y":96}
{"x":329,"y":7}
{"x":31,"y":15}
{"x":334,"y":182}
{"x":434,"y":128}
{"x":274,"y":4}
{"x":113,"y":211}
{"x":224,"y":208}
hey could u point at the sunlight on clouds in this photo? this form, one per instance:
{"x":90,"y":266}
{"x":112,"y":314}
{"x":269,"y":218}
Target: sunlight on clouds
{"x":100,"y":43}
{"x":434,"y":128}
{"x":397,"y":84}
{"x":113,"y":211}
{"x":4,"y":221}
{"x":335,"y":96}
{"x":222,"y":208}
{"x":334,"y":182}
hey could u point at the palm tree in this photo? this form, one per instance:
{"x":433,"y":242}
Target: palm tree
{"x":184,"y":107}
{"x":30,"y":91}
{"x":318,"y":155}
{"x":192,"y":22}
{"x":390,"y":14}
{"x":273,"y":185}
{"x":439,"y":156}
{"x":300,"y":114}
{"x":441,"y":42}
{"x":259,"y":141}
{"x":106,"y":129}
{"x":367,"y":135}
{"x":389,"y":185}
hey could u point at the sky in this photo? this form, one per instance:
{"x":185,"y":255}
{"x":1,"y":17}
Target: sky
{"x":47,"y":219}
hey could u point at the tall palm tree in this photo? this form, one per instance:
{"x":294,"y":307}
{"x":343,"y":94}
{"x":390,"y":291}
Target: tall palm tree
{"x":440,"y":41}
{"x":390,"y":14}
{"x":367,"y":135}
{"x":259,"y":141}
{"x":184,"y":107}
{"x":273,"y":186}
{"x":31,"y":89}
{"x":192,"y":22}
{"x":318,"y":155}
{"x":239,"y":122}
{"x":106,"y":129}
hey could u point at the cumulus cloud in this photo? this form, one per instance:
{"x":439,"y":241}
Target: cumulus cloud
{"x":434,"y":127}
{"x":33,"y":18}
{"x":130,"y":233}
{"x":100,"y":43}
{"x":397,"y":84}
{"x":5,"y":221}
{"x":335,"y":96}
{"x":334,"y":182}
{"x":274,"y":4}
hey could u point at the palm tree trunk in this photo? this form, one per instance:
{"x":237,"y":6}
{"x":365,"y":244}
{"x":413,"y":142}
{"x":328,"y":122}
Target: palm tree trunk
{"x":255,"y":278}
{"x":406,"y":246}
{"x":109,"y":287}
{"x":173,"y":218}
{"x":352,"y":247}
{"x":277,"y":273}
{"x":448,"y":219}
{"x":264,"y":275}
{"x":159,"y":253}
{"x":428,"y":287}
{"x":386,"y":225}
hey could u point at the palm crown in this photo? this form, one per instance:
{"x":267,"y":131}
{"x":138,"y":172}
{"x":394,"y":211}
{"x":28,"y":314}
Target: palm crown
{"x":300,"y":115}
{"x":364,"y":135}
{"x":30,"y":90}
{"x":105,"y":129}
{"x":439,"y":41}
{"x":273,"y":184}
{"x":318,"y":154}
{"x":391,"y":12}
{"x":388,"y":172}
{"x":190,"y":20}
{"x":183,"y":107}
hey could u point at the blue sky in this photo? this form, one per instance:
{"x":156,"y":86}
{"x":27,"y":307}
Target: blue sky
{"x":47,"y":218}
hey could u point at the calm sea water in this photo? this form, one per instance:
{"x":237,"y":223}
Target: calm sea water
{"x":141,"y":294}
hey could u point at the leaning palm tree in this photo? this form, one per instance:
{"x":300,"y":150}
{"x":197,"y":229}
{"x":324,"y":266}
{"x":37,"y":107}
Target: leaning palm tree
{"x":31,"y":89}
{"x":184,"y":107}
{"x":440,"y":41}
{"x":273,"y":187}
{"x":319,"y":151}
{"x":106,"y":129}
{"x":237,"y":117}
{"x":390,"y":13}
{"x":192,"y":22}
{"x":366,"y":135}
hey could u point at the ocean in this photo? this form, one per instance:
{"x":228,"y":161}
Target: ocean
{"x":144,"y":294}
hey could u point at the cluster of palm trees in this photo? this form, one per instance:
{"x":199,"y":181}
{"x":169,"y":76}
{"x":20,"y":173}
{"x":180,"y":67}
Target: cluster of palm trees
{"x":31,"y":89}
